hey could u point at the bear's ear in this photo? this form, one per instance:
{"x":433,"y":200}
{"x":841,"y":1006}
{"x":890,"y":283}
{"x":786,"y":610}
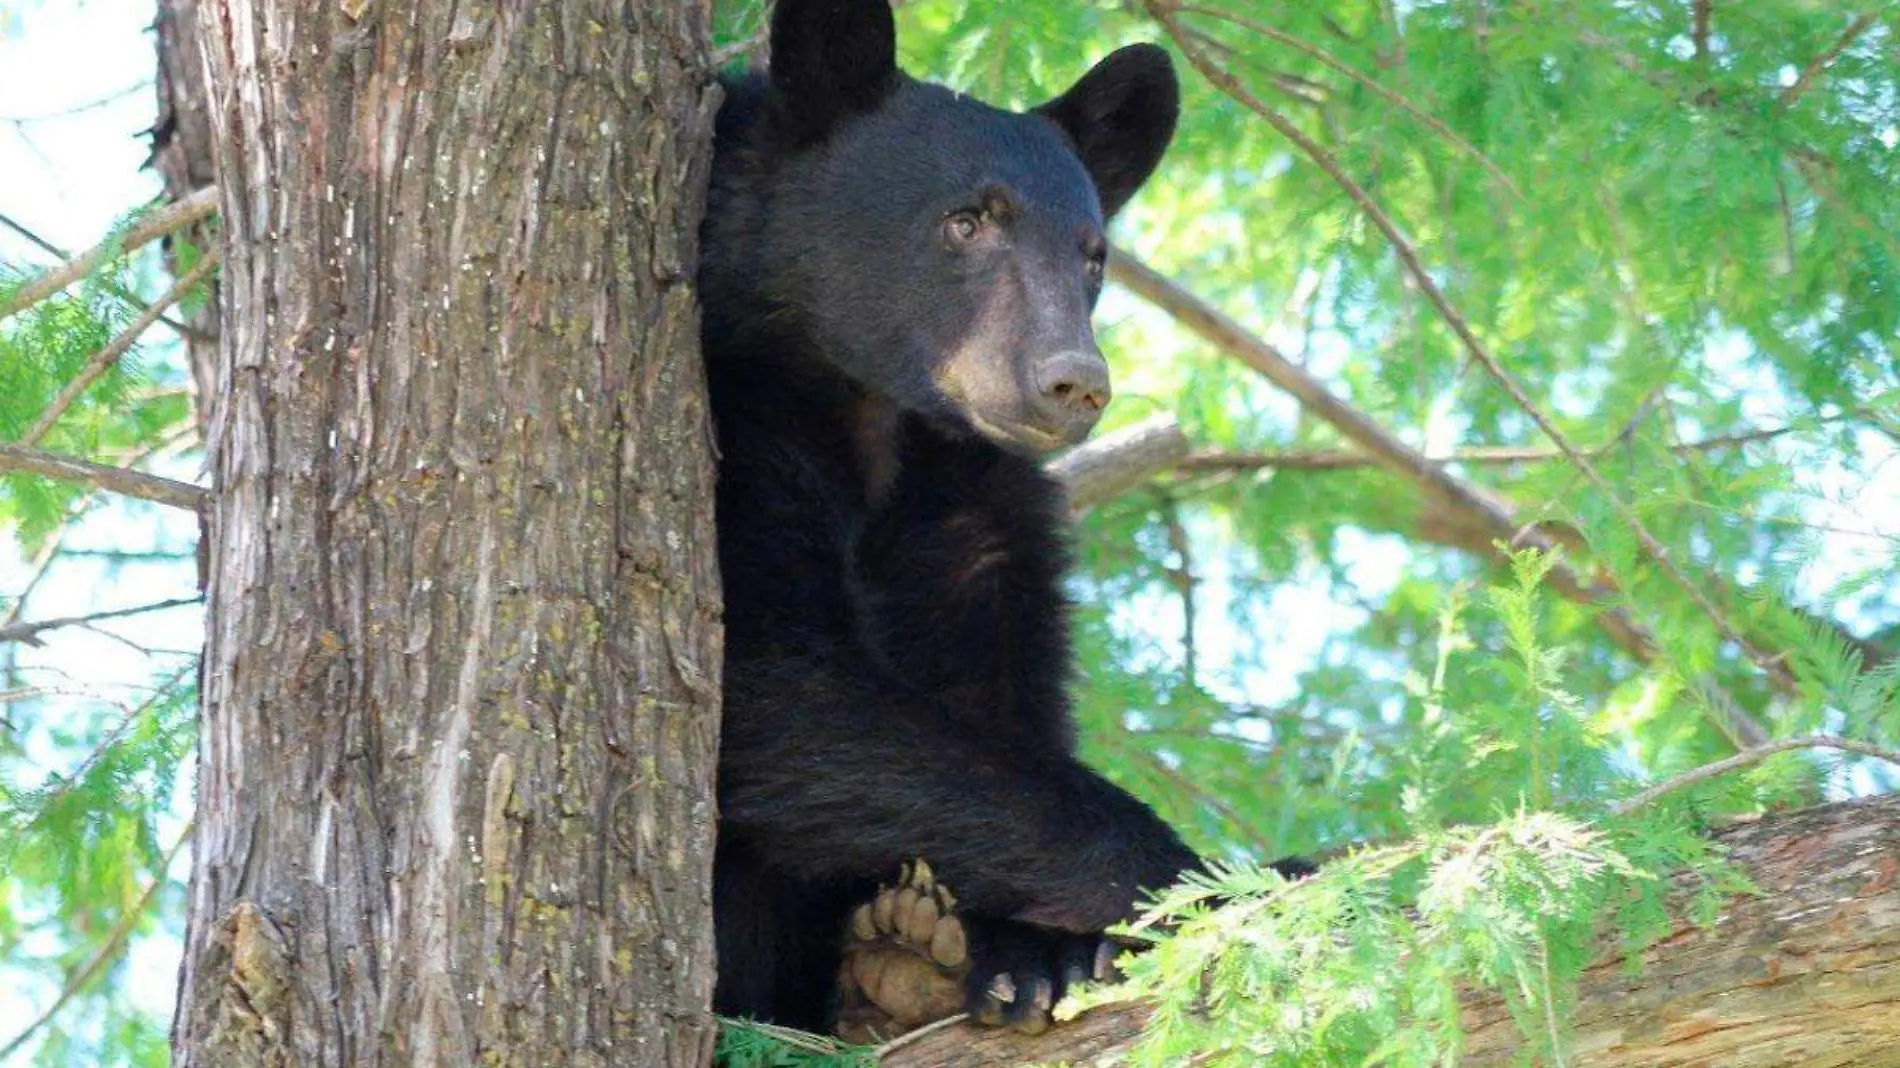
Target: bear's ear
{"x":1121,"y":117}
{"x":831,"y":59}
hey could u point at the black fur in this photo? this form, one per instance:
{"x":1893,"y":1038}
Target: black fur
{"x":882,"y":376}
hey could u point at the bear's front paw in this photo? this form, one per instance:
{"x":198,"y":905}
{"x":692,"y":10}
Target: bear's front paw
{"x":1022,"y":971}
{"x":911,"y":960}
{"x":906,"y":959}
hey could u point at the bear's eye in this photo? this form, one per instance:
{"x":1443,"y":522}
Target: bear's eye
{"x":1095,"y":267}
{"x":962,"y":227}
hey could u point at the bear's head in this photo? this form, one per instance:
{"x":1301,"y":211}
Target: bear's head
{"x":944,"y":254}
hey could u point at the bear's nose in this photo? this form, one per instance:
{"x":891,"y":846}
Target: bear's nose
{"x":1073,"y":389}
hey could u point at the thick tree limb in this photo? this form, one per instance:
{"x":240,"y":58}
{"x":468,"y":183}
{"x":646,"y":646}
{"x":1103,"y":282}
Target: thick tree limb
{"x":1808,"y":973}
{"x":120,"y":480}
{"x":1115,"y":463}
{"x":157,"y":224}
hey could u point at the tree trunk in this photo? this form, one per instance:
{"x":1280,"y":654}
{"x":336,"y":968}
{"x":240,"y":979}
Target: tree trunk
{"x":461,"y":678}
{"x":1806,"y":974}
{"x":183,"y":157}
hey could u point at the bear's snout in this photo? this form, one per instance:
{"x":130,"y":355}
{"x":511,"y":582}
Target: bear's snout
{"x":1071,"y":391}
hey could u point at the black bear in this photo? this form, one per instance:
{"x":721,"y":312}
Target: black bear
{"x":897,"y":283}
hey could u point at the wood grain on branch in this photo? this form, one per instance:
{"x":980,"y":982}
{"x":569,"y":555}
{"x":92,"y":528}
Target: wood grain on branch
{"x":120,"y":480}
{"x":1117,"y":462}
{"x":1806,"y":973}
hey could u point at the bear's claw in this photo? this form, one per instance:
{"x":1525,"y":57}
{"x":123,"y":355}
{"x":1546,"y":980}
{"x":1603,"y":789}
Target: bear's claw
{"x":905,"y":960}
{"x":910,"y":960}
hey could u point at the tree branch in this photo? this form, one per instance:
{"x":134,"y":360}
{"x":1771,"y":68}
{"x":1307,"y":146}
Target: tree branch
{"x":30,"y":632}
{"x":1750,"y":757}
{"x":1327,"y":59}
{"x":112,"y":286}
{"x":121,"y":480}
{"x":1114,"y":463}
{"x":1806,"y":973}
{"x":1811,"y":73}
{"x":1475,"y":518}
{"x":156,"y":224}
{"x":109,"y":950}
{"x":1483,"y":455}
{"x":117,"y":348}
{"x":1658,"y":553}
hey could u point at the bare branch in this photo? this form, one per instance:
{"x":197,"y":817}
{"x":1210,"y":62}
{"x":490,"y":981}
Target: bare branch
{"x":1750,"y":757}
{"x":121,"y":480}
{"x":109,"y":950}
{"x":1819,"y":64}
{"x":1113,"y":463}
{"x":117,"y":347}
{"x":157,"y":224}
{"x":81,"y":108}
{"x":1483,"y":455}
{"x":30,"y":632}
{"x":43,"y":562}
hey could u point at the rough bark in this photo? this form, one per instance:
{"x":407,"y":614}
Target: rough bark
{"x":1806,"y":974}
{"x":461,"y":678}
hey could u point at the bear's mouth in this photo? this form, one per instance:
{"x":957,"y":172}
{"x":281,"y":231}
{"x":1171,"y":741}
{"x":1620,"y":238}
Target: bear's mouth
{"x":991,"y":405}
{"x":1021,"y":437}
